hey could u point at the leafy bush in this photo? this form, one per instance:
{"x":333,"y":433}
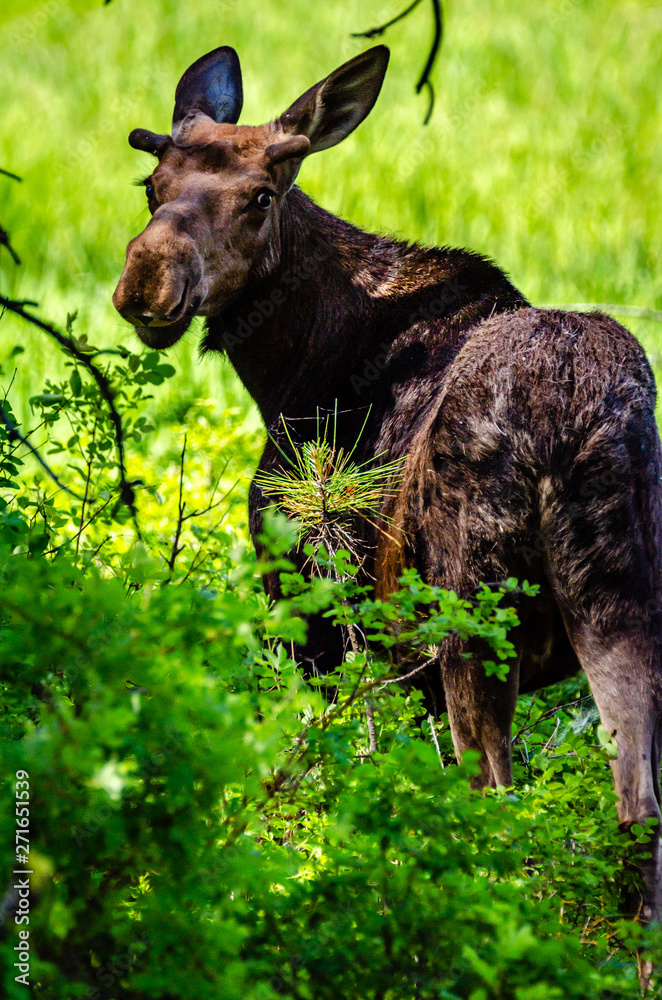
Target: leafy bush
{"x":205,"y":824}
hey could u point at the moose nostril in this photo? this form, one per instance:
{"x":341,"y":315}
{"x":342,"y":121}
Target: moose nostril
{"x":181,"y":305}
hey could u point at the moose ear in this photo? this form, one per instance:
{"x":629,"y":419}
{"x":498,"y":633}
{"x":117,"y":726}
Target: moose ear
{"x":212,"y":86}
{"x":330,"y":110}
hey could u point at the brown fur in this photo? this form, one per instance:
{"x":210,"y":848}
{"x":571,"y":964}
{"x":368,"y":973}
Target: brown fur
{"x":529,"y":436}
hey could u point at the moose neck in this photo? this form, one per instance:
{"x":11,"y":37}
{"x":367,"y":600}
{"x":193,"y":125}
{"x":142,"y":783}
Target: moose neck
{"x":289,"y":334}
{"x":340,"y":300}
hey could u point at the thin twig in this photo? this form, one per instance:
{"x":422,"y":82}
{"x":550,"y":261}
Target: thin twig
{"x":182,"y":518}
{"x":4,"y":235}
{"x":80,"y":531}
{"x":370,"y":723}
{"x":424,"y":79}
{"x":374,"y":32}
{"x":176,"y":548}
{"x":368,"y":703}
{"x":22,"y":438}
{"x":435,"y":740}
{"x":552,"y":711}
{"x":194,"y":562}
{"x":14,"y":434}
{"x":412,"y":673}
{"x":95,"y":552}
{"x":5,"y":242}
{"x":216,"y":503}
{"x":90,"y":459}
{"x":552,"y":737}
{"x":126,"y":490}
{"x":99,"y":547}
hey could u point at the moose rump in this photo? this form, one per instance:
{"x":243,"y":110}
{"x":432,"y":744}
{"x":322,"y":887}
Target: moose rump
{"x":540,"y":458}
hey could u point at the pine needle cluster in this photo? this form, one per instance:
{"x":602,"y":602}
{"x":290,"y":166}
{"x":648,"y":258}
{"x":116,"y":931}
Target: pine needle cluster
{"x":326,"y":491}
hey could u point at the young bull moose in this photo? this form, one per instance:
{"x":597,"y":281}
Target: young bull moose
{"x":527,"y":436}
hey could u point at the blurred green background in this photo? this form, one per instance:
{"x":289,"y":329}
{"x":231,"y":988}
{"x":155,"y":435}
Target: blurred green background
{"x":544,"y":150}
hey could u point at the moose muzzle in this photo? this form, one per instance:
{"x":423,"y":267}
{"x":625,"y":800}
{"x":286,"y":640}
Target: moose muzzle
{"x":161,"y":287}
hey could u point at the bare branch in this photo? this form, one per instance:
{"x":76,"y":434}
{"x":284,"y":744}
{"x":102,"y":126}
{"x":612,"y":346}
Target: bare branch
{"x":216,"y":503}
{"x":126,"y":490}
{"x":4,"y":242}
{"x":80,"y":531}
{"x":552,"y":711}
{"x":195,"y":563}
{"x":88,"y":479}
{"x":412,"y":673}
{"x":14,"y":434}
{"x":176,"y":548}
{"x":374,"y":32}
{"x":182,"y":518}
{"x":433,"y":731}
{"x":424,"y":81}
{"x":4,"y":235}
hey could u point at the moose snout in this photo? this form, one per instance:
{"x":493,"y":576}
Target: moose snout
{"x":161,"y":286}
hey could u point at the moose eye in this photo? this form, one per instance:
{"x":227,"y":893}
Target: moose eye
{"x":263,"y":200}
{"x":149,"y":190}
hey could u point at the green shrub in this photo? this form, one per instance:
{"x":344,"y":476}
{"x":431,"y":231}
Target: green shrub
{"x":203,"y":824}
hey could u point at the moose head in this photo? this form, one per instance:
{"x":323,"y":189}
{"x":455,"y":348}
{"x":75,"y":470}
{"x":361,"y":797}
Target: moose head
{"x":216,"y":193}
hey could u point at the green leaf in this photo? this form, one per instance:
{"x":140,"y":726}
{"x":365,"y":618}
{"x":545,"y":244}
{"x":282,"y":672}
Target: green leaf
{"x":75,"y":382}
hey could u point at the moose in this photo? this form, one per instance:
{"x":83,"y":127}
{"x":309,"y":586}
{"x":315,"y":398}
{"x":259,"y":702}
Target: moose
{"x":512,"y":423}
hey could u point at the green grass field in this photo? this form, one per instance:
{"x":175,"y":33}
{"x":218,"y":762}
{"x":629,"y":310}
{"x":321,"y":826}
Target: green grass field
{"x":544,"y":150}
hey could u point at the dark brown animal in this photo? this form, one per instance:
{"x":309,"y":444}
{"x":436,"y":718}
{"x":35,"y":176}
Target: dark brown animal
{"x":529,"y":436}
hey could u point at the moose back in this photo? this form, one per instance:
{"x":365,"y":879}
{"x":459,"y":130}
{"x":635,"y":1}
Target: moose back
{"x":527,"y":436}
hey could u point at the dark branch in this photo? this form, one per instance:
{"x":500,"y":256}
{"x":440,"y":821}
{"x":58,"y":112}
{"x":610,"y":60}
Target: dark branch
{"x":182,"y":518}
{"x":4,"y":242}
{"x":424,"y":81}
{"x":4,"y":235}
{"x":14,"y":434}
{"x":74,"y":538}
{"x":176,"y":547}
{"x":552,"y":711}
{"x":127,"y":493}
{"x":375,"y":32}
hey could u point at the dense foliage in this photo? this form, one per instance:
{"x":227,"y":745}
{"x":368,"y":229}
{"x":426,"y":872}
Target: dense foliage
{"x":202,"y":823}
{"x":543,"y":150}
{"x":205,"y":824}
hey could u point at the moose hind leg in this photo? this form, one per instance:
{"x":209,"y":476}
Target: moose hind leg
{"x":604,"y":546}
{"x":480,"y":709}
{"x":624,"y":676}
